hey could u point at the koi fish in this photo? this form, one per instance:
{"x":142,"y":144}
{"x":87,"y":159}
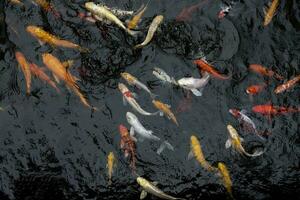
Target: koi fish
{"x":25,"y":68}
{"x":150,"y":187}
{"x":137,"y":18}
{"x":163,"y":76}
{"x":264,"y":71}
{"x":110,"y":166}
{"x":196,"y":151}
{"x":38,"y":72}
{"x":100,"y":13}
{"x":143,"y":133}
{"x":46,"y":6}
{"x":185,"y":14}
{"x":203,"y":65}
{"x":60,"y":72}
{"x":195,"y":85}
{"x":269,"y":110}
{"x":44,"y":37}
{"x":255,"y":89}
{"x":235,"y":140}
{"x":165,"y":109}
{"x":224,"y":173}
{"x":131,"y":80}
{"x":287,"y":85}
{"x":244,"y":120}
{"x":271,"y":12}
{"x":127,"y":144}
{"x":152,"y":29}
{"x":224,"y":11}
{"x":129,"y":98}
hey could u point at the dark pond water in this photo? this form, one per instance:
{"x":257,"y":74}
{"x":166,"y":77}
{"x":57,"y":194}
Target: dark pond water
{"x":52,"y":147}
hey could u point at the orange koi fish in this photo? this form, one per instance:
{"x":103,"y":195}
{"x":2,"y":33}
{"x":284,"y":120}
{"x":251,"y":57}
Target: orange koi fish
{"x":45,"y":37}
{"x":203,"y":65}
{"x":287,"y":85}
{"x":38,"y":72}
{"x":127,"y":144}
{"x":264,"y":71}
{"x":271,"y":12}
{"x":60,"y":72}
{"x":255,"y":89}
{"x":165,"y":109}
{"x":46,"y":6}
{"x":270,"y":110}
{"x":186,"y":12}
{"x":25,"y":68}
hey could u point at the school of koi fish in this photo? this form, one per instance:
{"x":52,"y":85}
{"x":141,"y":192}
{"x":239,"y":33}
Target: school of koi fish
{"x":54,"y":71}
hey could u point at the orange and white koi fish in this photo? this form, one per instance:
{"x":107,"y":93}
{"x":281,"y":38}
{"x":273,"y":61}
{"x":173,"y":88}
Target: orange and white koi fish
{"x":60,"y":72}
{"x":255,"y":89}
{"x":203,"y":65}
{"x":132,"y":24}
{"x":45,"y":37}
{"x":287,"y":85}
{"x":165,"y":109}
{"x":38,"y":72}
{"x":110,"y":166}
{"x":271,"y":12}
{"x":25,"y":68}
{"x":196,"y":151}
{"x":224,"y":173}
{"x":264,"y":71}
{"x":47,"y":6}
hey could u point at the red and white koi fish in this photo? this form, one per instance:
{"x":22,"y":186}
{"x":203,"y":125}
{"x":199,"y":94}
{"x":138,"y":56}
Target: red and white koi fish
{"x":287,"y":85}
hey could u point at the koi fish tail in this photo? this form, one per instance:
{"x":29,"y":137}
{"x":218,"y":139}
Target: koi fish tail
{"x":132,"y":33}
{"x":164,"y":145}
{"x":83,"y":49}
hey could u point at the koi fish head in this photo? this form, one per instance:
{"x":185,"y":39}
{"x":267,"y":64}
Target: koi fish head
{"x":232,"y":132}
{"x":123,"y":130}
{"x":31,"y":29}
{"x":90,"y":5}
{"x":128,"y":77}
{"x":141,"y":181}
{"x":194,"y":141}
{"x":122,"y":88}
{"x":111,"y":156}
{"x":234,"y":112}
{"x":131,"y":118}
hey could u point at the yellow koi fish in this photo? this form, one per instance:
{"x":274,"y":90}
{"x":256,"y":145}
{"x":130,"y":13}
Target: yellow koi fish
{"x":25,"y":68}
{"x":224,"y":173}
{"x":196,"y":151}
{"x":60,"y":72}
{"x":136,"y":19}
{"x":45,"y":37}
{"x":271,"y":12}
{"x":165,"y":109}
{"x":110,"y":166}
{"x":152,"y":29}
{"x":235,"y":141}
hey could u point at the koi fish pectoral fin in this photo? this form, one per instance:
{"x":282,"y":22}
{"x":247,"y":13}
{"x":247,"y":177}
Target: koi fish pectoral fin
{"x":190,"y":155}
{"x":163,"y":146}
{"x":56,"y":78}
{"x":228,"y":143}
{"x":131,"y":131}
{"x":161,"y":114}
{"x":196,"y":92}
{"x":124,"y":101}
{"x":143,"y":194}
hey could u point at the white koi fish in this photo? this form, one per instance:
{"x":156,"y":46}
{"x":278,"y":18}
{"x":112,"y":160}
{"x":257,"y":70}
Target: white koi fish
{"x":195,"y":85}
{"x":163,"y":76}
{"x":129,"y":97}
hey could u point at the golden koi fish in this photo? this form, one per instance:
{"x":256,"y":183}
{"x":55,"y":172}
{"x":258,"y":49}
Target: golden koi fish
{"x":196,"y":152}
{"x":224,"y":173}
{"x":271,"y":12}
{"x":165,"y":109}
{"x":152,"y":29}
{"x":110,"y":166}
{"x":25,"y":68}
{"x":60,"y":72}
{"x":136,"y":19}
{"x":45,"y":37}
